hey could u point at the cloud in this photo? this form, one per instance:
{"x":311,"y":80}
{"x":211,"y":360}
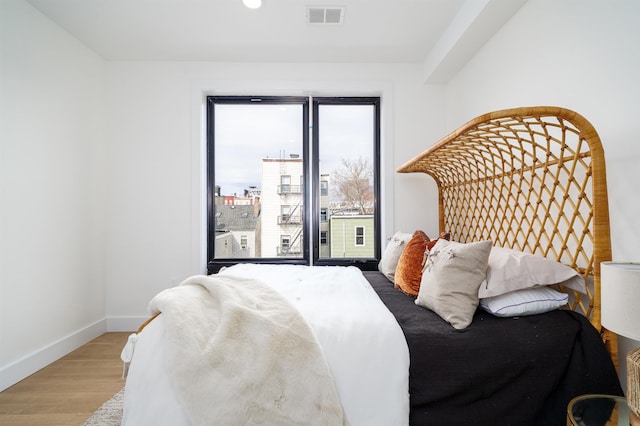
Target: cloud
{"x":247,"y":133}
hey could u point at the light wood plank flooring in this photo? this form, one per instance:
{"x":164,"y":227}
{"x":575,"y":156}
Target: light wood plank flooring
{"x":68,"y":391}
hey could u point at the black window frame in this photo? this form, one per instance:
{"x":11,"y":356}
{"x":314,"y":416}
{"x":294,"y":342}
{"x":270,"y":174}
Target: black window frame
{"x":365,"y":264}
{"x":311,"y":173}
{"x":213,"y":264}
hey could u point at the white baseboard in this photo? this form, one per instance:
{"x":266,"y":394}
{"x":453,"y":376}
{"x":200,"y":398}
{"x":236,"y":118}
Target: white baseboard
{"x":29,"y":364}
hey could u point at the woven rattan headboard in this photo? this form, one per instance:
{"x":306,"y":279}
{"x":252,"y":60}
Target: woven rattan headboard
{"x":532,"y":179}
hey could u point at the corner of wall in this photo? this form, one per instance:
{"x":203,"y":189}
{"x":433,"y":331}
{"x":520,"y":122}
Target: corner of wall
{"x":30,"y":363}
{"x":124,"y":324}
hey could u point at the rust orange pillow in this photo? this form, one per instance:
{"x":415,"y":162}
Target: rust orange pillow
{"x":408,"y":274}
{"x":409,"y":269}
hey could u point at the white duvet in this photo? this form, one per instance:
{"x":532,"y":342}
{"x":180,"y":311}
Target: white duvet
{"x":361,"y":341}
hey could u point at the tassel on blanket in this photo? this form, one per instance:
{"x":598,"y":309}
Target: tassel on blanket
{"x":127,"y":354}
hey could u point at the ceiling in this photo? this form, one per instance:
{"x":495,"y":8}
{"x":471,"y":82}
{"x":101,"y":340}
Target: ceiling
{"x":225,"y":30}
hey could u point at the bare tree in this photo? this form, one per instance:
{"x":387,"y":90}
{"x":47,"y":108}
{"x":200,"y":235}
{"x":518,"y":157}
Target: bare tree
{"x":353,"y":184}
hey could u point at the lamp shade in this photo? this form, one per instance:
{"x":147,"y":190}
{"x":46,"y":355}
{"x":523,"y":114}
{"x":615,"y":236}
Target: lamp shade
{"x":620,"y":297}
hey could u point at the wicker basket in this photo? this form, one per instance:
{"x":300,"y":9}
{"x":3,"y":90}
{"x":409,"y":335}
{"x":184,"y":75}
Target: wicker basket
{"x":633,"y":382}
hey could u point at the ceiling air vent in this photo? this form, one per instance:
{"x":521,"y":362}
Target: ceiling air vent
{"x":325,"y":15}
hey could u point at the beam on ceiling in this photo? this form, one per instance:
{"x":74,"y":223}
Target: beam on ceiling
{"x":474,"y":24}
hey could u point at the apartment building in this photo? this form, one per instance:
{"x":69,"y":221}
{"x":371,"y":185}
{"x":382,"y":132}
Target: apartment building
{"x":341,"y":234}
{"x":282,"y":207}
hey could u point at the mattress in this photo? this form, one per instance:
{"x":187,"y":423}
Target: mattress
{"x":361,"y":341}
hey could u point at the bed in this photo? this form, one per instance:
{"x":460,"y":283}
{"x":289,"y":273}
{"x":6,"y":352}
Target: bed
{"x":529,"y":181}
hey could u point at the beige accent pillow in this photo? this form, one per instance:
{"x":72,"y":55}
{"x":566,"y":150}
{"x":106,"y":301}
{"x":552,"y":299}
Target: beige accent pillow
{"x":451,"y":278}
{"x":389,"y":261}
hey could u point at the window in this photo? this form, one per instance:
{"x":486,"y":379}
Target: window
{"x":324,"y":188}
{"x":359,"y":236}
{"x":323,"y":214}
{"x":285,"y":184}
{"x":285,"y":211}
{"x":263,"y":185}
{"x":285,"y":243}
{"x":323,"y":238}
{"x":346,"y":150}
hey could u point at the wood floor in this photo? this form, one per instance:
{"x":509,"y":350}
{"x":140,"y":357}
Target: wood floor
{"x":68,"y":391}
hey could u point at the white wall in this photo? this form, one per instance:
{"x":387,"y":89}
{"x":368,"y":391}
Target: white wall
{"x":583,"y":55}
{"x":155,"y":213}
{"x":52,"y":295}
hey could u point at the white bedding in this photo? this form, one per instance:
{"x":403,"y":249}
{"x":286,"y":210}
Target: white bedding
{"x":362,"y":343}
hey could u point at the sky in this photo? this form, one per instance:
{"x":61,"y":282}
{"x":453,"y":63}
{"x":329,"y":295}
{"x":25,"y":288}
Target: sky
{"x":245,"y":134}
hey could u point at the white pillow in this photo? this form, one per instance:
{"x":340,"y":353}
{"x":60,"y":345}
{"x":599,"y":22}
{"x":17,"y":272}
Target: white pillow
{"x":450,"y":280}
{"x":529,"y":301}
{"x":510,"y":270}
{"x":389,"y":261}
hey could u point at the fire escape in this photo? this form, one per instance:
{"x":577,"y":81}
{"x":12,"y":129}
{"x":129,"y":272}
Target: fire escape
{"x":290,"y":222}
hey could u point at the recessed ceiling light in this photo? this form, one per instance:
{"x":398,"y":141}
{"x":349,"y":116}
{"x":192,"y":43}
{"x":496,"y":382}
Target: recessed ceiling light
{"x":252,"y":4}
